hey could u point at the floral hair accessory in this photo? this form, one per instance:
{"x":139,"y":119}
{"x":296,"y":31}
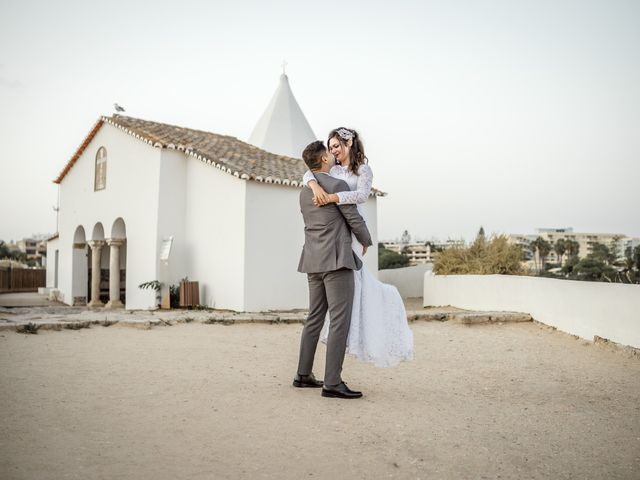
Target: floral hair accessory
{"x":345,"y":134}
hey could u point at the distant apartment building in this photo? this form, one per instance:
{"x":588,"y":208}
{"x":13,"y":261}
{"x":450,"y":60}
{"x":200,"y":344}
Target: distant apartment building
{"x":617,"y":241}
{"x":35,"y":248}
{"x":421,"y":252}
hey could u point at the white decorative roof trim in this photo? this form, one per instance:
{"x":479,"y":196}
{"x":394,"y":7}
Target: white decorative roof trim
{"x":188,"y":150}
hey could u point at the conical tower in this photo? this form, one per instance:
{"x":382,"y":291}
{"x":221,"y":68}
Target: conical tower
{"x":283,"y":128}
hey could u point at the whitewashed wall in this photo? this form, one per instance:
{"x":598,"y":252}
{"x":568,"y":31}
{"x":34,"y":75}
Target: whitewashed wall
{"x":52,"y":246}
{"x":172,"y":206}
{"x":274,"y":239}
{"x":131,"y":193}
{"x":275,"y":236}
{"x":215,"y":234}
{"x":586,"y":309}
{"x":408,"y":280}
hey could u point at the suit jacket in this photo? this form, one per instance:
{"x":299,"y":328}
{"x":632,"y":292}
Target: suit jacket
{"x":327,"y":231}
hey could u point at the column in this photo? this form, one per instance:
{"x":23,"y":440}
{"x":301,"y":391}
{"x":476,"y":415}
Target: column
{"x":114,"y":273}
{"x":96,"y":252}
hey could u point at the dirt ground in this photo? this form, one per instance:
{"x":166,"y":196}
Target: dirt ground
{"x":194,"y":401}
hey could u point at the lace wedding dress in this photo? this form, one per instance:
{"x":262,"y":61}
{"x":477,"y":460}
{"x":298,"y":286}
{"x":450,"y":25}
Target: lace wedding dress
{"x":379,"y":332}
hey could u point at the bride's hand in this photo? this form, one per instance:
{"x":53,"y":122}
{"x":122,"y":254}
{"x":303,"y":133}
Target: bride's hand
{"x":331,"y":198}
{"x":320,"y":197}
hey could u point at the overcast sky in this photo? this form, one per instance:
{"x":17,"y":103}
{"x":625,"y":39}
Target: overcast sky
{"x":508,"y":114}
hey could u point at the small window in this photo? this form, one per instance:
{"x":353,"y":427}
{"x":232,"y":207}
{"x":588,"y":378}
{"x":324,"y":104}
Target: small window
{"x":101,"y":169}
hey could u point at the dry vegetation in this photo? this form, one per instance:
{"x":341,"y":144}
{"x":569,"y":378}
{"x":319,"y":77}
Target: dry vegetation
{"x":482,"y":257}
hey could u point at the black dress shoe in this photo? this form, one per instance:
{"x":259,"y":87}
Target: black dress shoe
{"x":340,"y":391}
{"x":306,"y":381}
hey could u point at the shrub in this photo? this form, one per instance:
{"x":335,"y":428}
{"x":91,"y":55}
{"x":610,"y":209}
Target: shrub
{"x":390,"y":259}
{"x":482,"y":257}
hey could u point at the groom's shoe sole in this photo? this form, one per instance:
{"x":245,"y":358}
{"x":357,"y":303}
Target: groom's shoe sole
{"x":330,"y":394}
{"x":305,"y":385}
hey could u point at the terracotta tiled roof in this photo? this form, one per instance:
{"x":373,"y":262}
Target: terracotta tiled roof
{"x":226,"y":153}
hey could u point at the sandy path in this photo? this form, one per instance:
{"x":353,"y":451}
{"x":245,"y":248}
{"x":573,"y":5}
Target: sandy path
{"x":212,"y":401}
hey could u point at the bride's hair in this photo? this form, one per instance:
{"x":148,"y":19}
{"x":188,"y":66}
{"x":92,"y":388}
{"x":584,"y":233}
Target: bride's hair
{"x":356,"y":154}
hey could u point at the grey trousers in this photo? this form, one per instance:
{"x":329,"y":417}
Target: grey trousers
{"x":332,"y":291}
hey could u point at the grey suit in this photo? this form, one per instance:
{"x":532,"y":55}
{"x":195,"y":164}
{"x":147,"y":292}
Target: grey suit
{"x":328,"y":260}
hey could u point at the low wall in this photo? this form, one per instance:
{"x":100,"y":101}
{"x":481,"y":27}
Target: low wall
{"x":408,"y":280}
{"x":586,"y":309}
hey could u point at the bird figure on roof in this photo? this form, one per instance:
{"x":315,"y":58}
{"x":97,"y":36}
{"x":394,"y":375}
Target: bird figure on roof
{"x":118,"y":108}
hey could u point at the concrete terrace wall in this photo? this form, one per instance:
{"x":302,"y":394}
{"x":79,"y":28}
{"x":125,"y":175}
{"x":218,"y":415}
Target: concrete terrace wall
{"x":586,"y":309}
{"x":408,"y":280}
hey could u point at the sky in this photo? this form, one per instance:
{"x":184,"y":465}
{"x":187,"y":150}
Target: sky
{"x":511,"y":114}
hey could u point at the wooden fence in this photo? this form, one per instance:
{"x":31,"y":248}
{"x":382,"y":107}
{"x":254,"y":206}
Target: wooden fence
{"x":22,"y":279}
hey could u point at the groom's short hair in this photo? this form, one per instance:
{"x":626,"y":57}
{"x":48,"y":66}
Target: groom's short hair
{"x":312,"y":155}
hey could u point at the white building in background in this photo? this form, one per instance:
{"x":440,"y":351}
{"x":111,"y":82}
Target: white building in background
{"x":585,"y":240}
{"x":421,"y":252}
{"x":231,"y":208}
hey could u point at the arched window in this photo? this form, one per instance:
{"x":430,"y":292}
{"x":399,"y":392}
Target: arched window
{"x":101,"y":169}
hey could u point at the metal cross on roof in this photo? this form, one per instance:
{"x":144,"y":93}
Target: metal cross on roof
{"x":284,"y":66}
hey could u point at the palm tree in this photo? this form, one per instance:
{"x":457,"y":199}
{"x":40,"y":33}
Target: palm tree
{"x":543,"y":247}
{"x":572,"y":247}
{"x":560,"y":247}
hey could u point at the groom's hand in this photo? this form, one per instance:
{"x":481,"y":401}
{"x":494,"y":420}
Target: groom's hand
{"x":364,"y":249}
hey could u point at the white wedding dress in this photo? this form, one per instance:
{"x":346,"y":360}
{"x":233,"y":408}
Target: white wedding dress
{"x":379,"y":332}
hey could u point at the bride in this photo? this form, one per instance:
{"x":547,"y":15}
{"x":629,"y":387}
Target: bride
{"x":379,"y":332}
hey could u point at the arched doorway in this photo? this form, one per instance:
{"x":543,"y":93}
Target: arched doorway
{"x":79,"y":270}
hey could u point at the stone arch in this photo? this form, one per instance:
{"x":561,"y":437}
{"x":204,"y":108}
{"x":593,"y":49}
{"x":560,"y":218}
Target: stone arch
{"x":79,"y":268}
{"x":98,"y":232}
{"x":118,"y":229}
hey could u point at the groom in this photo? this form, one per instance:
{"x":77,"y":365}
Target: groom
{"x":328,"y":261}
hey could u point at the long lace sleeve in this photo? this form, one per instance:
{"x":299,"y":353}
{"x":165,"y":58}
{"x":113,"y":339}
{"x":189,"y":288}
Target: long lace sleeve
{"x":308,"y":175}
{"x":363,"y":187}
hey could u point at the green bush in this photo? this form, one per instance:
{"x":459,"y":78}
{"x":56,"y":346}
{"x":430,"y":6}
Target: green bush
{"x":389,"y":259}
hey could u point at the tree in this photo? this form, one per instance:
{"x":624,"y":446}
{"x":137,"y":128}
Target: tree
{"x":389,"y":259}
{"x":591,"y":268}
{"x":543,"y":247}
{"x":4,"y":250}
{"x":570,"y":264}
{"x":481,"y":233}
{"x":560,"y":247}
{"x":572,"y":248}
{"x":614,"y":248}
{"x":601,"y":252}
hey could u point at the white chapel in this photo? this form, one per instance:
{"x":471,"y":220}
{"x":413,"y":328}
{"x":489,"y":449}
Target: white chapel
{"x":229,"y":207}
